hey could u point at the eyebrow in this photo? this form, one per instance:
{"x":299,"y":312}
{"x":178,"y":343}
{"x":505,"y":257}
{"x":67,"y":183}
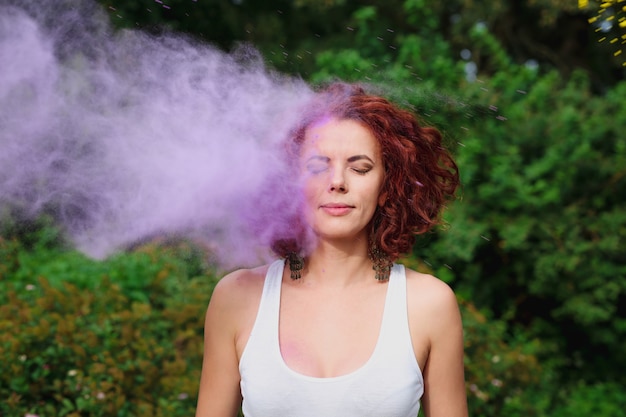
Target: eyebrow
{"x":359,"y":157}
{"x":351,"y":159}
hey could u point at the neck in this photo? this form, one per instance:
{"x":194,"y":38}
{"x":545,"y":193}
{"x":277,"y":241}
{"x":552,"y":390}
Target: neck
{"x":338,"y":264}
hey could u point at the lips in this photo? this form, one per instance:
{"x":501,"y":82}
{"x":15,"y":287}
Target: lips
{"x":336,"y":209}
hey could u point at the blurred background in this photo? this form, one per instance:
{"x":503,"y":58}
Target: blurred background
{"x":531,"y":98}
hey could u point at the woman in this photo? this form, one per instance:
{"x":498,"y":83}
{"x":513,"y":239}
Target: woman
{"x":335,"y":328}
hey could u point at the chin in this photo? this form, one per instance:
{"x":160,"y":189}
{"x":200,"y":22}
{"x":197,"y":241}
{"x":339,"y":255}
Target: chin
{"x":339,"y":234}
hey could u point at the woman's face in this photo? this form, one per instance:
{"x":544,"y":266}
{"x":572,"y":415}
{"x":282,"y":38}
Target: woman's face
{"x":342,"y":173}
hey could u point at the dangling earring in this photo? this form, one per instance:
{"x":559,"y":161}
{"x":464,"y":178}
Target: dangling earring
{"x":296,"y":264}
{"x":382,"y":263}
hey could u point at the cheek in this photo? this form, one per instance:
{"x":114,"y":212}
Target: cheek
{"x":312,"y":185}
{"x":310,"y":193}
{"x":309,"y":206}
{"x":378,"y":190}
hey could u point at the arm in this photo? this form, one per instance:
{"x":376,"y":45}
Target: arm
{"x":444,"y":380}
{"x":219,"y":394}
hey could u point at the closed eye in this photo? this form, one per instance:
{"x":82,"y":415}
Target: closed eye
{"x":317,"y":164}
{"x":316,"y":168}
{"x":362,"y":171}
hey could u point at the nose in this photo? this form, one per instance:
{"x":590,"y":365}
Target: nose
{"x":338,"y":182}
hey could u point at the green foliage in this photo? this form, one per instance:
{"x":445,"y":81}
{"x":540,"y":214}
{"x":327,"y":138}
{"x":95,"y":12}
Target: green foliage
{"x":556,"y":33}
{"x":122,"y":344}
{"x":380,"y":55}
{"x":346,"y":65}
{"x":606,"y":399}
{"x":37,"y":248}
{"x":484,"y":43}
{"x":500,"y":370}
{"x":539,"y":234}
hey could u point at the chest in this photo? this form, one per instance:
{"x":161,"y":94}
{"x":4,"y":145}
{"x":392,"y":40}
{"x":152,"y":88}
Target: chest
{"x":325,"y":334}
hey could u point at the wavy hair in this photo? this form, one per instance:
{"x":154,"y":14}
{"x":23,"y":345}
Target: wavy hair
{"x":420,"y":174}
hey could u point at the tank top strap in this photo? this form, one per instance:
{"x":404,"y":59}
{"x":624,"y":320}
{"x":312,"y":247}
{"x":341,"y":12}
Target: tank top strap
{"x":395,"y":324}
{"x":265,"y":330}
{"x":271,"y":287}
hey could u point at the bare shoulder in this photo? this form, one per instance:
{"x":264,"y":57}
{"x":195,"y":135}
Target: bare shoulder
{"x":234,"y":305}
{"x":239,"y":288}
{"x":430,"y":296}
{"x":427,"y":286}
{"x":241,"y":281}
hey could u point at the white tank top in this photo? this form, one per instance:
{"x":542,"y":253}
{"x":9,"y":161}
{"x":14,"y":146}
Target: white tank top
{"x":389,"y":384}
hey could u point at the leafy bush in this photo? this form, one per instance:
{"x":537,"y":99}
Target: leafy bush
{"x":122,"y":343}
{"x":604,"y":399}
{"x":501,"y":371}
{"x":31,"y":248}
{"x":538,"y":236}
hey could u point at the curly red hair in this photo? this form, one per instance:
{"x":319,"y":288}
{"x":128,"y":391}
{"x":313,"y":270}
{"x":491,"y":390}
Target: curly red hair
{"x":420,"y":174}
